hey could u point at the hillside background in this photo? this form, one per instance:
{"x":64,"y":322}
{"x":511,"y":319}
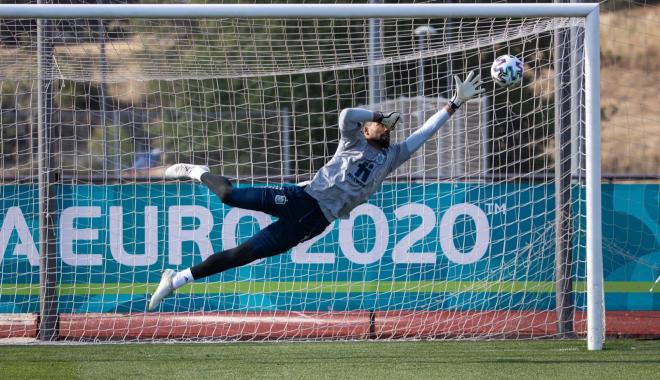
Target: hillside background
{"x":630,"y":94}
{"x":630,"y":88}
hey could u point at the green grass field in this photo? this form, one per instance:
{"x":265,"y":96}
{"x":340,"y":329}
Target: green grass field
{"x":629,"y":359}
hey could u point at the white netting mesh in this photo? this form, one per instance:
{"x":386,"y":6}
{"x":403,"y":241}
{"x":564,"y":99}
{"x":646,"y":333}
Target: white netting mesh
{"x":258,"y":100}
{"x":230,"y":47}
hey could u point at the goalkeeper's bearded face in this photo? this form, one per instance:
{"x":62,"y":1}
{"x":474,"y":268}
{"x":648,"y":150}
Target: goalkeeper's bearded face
{"x":376,"y":133}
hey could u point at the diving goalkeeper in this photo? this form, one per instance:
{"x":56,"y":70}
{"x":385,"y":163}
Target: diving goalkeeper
{"x":364,"y":158}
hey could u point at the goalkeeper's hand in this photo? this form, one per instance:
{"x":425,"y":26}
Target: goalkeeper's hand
{"x":466,"y":90}
{"x":390,"y":120}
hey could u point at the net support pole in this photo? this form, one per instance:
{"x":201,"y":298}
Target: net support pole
{"x":286,"y":145}
{"x":423,"y":34}
{"x":563,"y":235}
{"x":376,"y":75}
{"x":577,"y":101}
{"x":48,"y":295}
{"x":103,"y":87}
{"x":448,"y":35}
{"x":485,"y":134}
{"x":595,"y":291}
{"x":111,"y":150}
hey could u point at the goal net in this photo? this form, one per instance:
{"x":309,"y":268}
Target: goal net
{"x":481,"y":234}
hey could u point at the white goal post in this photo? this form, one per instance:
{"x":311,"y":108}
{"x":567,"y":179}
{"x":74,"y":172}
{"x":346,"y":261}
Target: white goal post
{"x":591,"y":66}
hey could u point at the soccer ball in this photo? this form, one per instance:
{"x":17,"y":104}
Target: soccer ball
{"x":507,"y":70}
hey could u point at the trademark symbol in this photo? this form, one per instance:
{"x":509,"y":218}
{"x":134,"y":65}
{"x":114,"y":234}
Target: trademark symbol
{"x":495,"y":208}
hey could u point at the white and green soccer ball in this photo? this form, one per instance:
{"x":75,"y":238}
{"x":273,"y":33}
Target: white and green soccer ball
{"x":507,"y":70}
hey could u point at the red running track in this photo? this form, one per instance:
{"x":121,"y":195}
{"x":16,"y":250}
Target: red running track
{"x":326,"y":325}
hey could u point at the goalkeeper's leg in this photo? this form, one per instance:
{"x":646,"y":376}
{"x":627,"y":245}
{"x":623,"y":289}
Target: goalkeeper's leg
{"x":300,"y":219}
{"x":216,"y":263}
{"x":277,"y":238}
{"x":271,"y":200}
{"x":218,"y":184}
{"x":266,"y":243}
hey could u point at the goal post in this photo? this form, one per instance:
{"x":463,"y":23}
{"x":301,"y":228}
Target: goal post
{"x":191,"y":93}
{"x":595,"y":289}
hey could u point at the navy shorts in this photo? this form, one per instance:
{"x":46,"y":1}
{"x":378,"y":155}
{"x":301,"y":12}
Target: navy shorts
{"x":300,"y":217}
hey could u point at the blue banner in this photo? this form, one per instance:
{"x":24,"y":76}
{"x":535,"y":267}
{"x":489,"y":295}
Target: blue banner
{"x":414,"y":246}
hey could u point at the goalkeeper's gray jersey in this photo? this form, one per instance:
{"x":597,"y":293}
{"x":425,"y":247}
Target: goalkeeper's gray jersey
{"x":356,"y":170}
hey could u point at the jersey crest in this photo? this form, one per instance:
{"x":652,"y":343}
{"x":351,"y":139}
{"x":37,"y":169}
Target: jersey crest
{"x":361,"y":172}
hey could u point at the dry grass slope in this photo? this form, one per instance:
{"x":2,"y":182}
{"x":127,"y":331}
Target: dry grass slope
{"x":630,"y":85}
{"x":630,"y":88}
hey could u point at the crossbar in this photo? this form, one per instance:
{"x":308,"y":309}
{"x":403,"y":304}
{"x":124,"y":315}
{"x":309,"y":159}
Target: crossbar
{"x":111,"y":11}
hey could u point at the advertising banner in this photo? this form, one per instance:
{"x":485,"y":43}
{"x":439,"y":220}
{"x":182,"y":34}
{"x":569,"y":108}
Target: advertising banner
{"x":432,"y":246}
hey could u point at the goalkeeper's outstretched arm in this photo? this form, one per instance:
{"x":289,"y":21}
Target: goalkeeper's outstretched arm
{"x":351,"y":119}
{"x":464,"y":92}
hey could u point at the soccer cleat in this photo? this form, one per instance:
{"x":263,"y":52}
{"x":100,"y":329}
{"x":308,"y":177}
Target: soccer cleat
{"x":179,"y":171}
{"x":165,"y":288}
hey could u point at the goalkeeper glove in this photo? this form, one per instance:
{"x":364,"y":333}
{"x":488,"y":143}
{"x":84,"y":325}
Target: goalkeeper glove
{"x":466,"y":90}
{"x":389,"y":120}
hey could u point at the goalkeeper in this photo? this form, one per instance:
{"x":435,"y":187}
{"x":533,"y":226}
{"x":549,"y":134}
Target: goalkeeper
{"x":364,"y":158}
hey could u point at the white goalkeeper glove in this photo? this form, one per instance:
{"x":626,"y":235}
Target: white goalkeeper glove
{"x":390,"y":120}
{"x":466,"y":90}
